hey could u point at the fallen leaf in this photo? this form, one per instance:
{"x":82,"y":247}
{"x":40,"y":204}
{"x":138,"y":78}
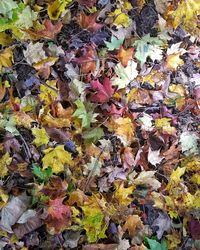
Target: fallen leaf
{"x":104,"y":91}
{"x":125,"y":55}
{"x":133,"y":222}
{"x":12,"y":211}
{"x":56,"y":158}
{"x":41,"y":136}
{"x":89,"y":22}
{"x":125,"y":74}
{"x":114,"y":43}
{"x":6,"y":58}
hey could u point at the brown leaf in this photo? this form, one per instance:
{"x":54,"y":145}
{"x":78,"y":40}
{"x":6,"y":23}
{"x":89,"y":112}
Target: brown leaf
{"x":132,"y":223}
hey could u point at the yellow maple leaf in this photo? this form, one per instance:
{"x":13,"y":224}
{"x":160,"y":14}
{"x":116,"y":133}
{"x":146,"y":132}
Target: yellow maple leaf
{"x":187,"y":14}
{"x":6,"y":58}
{"x":164,"y":124}
{"x":120,"y":18}
{"x":173,"y":61}
{"x":49,"y":92}
{"x":56,"y":158}
{"x":41,"y":136}
{"x":56,"y":8}
{"x":124,"y":128}
{"x":4,"y":163}
{"x":176,"y":175}
{"x":122,"y":193}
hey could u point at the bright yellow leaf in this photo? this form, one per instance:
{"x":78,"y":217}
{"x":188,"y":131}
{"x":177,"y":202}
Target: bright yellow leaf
{"x":56,"y":8}
{"x":176,"y":174}
{"x":4,"y":163}
{"x":6,"y":58}
{"x":47,"y":94}
{"x":41,"y":136}
{"x":56,"y":158}
{"x":120,"y":18}
{"x":122,"y":193}
{"x":186,"y":14}
{"x":178,"y":89}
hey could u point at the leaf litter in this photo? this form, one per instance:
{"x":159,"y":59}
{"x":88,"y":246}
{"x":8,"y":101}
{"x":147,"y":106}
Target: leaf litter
{"x":99,"y":124}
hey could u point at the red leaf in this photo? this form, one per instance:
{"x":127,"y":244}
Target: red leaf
{"x":87,"y":60}
{"x":104,"y":91}
{"x":59,"y":216}
{"x":57,"y":210}
{"x":89,"y":22}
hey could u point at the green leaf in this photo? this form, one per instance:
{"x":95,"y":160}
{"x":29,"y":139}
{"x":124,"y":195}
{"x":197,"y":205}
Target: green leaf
{"x":114,"y":44}
{"x":26,"y":18}
{"x":148,"y":46}
{"x":43,"y":175}
{"x":93,"y":223}
{"x":155,"y":245}
{"x":85,"y":113}
{"x":93,"y":135}
{"x":6,"y":7}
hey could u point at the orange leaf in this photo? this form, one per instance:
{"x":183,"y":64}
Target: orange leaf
{"x":89,"y":22}
{"x":124,"y":55}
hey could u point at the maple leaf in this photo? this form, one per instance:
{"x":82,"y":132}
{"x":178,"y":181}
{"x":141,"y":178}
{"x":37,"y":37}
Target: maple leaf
{"x":56,"y":8}
{"x":85,"y":113}
{"x":89,"y":22}
{"x":133,"y":222}
{"x":59,"y":215}
{"x":147,"y":178}
{"x":88,"y":59}
{"x":93,"y":223}
{"x":56,"y":158}
{"x":34,"y":53}
{"x":41,"y":136}
{"x":148,"y":46}
{"x":186,"y":15}
{"x":104,"y":91}
{"x":6,"y":58}
{"x":57,"y":210}
{"x":123,"y":127}
{"x":122,"y":193}
{"x":124,"y":55}
{"x":114,"y":44}
{"x":49,"y":31}
{"x":120,"y":18}
{"x":125,"y":74}
{"x":189,"y":143}
{"x":47,"y":94}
